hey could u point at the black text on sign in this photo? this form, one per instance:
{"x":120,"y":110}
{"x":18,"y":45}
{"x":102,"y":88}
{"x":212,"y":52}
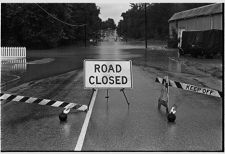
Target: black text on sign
{"x":107,"y":74}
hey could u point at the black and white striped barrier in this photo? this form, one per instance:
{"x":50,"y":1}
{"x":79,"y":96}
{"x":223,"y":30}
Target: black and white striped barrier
{"x":30,"y":100}
{"x":189,"y":87}
{"x":171,"y":115}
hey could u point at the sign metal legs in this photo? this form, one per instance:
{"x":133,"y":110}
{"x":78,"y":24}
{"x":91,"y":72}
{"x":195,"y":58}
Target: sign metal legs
{"x":122,"y":90}
{"x":125,"y":96}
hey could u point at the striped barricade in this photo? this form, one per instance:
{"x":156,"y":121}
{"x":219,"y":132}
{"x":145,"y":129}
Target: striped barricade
{"x":189,"y":87}
{"x":18,"y":98}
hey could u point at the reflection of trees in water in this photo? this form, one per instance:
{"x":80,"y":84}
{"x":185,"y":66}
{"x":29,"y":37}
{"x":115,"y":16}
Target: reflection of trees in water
{"x":109,"y":35}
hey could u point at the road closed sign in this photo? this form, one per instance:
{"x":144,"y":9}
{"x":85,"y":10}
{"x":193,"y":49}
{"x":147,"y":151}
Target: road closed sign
{"x":107,"y":74}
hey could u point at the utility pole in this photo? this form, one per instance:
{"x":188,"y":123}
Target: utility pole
{"x":146,"y":43}
{"x":85,"y":35}
{"x":85,"y":27}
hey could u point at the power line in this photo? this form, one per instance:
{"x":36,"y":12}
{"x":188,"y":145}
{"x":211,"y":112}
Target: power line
{"x":59,"y":19}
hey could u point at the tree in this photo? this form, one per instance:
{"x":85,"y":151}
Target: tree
{"x":26,"y":24}
{"x":132,"y":25}
{"x":108,"y":24}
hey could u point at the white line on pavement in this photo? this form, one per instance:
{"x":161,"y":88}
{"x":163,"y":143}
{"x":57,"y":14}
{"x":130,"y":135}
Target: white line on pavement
{"x":85,"y":125}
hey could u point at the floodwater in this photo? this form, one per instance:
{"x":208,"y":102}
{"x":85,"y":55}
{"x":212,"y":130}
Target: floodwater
{"x":175,"y":65}
{"x":65,"y":59}
{"x":113,"y":126}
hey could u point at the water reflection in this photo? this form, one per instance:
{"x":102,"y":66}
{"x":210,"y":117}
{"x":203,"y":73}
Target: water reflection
{"x":174,"y":65}
{"x":114,"y":50}
{"x":66,"y":129}
{"x":66,"y":59}
{"x":11,"y":71}
{"x":14,"y":65}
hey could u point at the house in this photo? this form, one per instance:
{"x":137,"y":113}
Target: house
{"x":198,"y":19}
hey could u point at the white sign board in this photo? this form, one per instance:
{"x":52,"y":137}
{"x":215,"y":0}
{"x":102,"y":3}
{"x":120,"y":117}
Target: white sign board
{"x":107,"y":74}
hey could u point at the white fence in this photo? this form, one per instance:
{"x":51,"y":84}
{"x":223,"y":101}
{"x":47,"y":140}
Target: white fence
{"x":13,"y":52}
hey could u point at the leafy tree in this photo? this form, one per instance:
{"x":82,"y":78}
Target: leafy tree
{"x":109,"y":23}
{"x":158,"y":14}
{"x":27,"y":24}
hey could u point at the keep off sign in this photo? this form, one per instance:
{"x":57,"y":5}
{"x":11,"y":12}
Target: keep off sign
{"x":107,"y":74}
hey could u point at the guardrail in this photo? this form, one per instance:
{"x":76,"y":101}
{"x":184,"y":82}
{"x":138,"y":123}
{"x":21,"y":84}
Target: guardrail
{"x":13,"y":52}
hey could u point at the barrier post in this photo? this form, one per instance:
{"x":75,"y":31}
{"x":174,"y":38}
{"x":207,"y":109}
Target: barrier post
{"x":164,"y":96}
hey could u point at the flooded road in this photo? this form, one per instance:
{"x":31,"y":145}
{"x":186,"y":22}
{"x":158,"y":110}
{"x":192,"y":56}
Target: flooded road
{"x":65,"y":59}
{"x":113,"y":126}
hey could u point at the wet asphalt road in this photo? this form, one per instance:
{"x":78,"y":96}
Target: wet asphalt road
{"x":115,"y":127}
{"x":142,"y":127}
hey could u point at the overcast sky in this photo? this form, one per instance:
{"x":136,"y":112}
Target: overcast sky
{"x":112,"y":10}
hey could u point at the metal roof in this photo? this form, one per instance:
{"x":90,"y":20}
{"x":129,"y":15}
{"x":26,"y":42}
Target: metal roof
{"x":199,"y":11}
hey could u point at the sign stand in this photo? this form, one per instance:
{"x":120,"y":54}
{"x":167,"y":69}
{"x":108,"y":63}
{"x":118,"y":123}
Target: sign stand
{"x":122,"y":90}
{"x":125,"y":96}
{"x":107,"y":74}
{"x":107,"y":96}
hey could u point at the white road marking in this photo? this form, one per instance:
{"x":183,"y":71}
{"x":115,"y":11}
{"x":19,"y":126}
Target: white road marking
{"x":81,"y":138}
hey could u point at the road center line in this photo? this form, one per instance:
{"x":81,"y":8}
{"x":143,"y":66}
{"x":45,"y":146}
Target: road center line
{"x":81,"y":138}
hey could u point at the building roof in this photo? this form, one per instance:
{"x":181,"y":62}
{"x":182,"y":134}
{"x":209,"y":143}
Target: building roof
{"x":199,"y":11}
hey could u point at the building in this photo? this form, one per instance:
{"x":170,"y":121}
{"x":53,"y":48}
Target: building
{"x":198,"y":19}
